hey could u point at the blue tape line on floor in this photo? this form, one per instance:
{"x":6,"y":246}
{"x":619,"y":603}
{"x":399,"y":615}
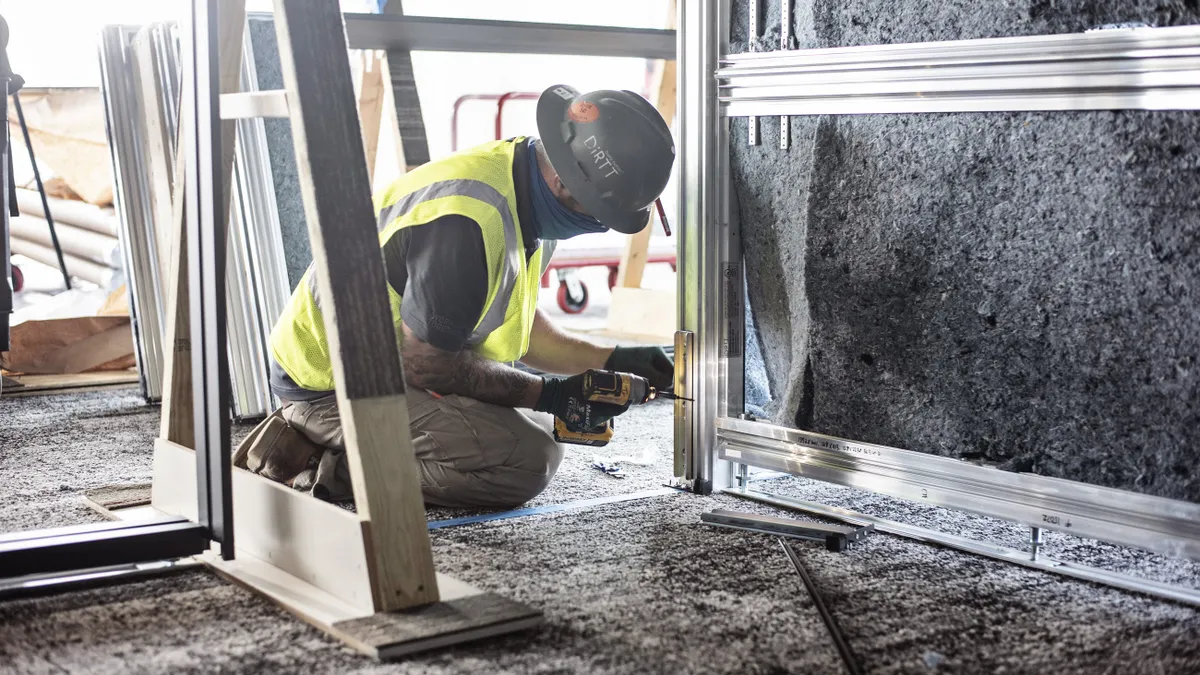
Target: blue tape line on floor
{"x":549,"y":508}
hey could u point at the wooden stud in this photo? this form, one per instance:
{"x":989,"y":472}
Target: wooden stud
{"x":633,"y":260}
{"x":253,"y":104}
{"x":637,"y":246}
{"x":668,"y":96}
{"x":370,"y":107}
{"x":178,"y":425}
{"x":367,"y":373}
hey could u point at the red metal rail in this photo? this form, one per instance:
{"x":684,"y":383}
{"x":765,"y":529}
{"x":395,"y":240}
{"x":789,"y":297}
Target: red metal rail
{"x":500,"y":100}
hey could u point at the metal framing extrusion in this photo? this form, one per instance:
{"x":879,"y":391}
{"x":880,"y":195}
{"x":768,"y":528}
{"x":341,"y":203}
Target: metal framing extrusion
{"x":1144,"y":68}
{"x":419,"y":33}
{"x":1133,"y":69}
{"x":710,"y":253}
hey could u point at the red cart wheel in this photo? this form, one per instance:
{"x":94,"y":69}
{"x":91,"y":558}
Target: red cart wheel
{"x":569,"y":304}
{"x":18,"y":279}
{"x":612,"y":277}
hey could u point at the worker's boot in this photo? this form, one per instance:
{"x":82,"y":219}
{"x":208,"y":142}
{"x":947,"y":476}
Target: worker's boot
{"x":327,"y":477}
{"x":277,"y":451}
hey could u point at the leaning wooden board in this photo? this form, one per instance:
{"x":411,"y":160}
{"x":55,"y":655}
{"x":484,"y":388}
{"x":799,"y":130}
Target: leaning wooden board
{"x":33,"y":385}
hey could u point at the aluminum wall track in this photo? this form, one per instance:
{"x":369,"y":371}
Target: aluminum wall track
{"x":1158,"y":524}
{"x":1136,"y":68}
{"x":709,"y":254}
{"x":1025,"y":558}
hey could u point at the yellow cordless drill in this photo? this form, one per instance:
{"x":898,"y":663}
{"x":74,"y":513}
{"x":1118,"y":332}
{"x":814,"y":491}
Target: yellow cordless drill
{"x":606,"y":386}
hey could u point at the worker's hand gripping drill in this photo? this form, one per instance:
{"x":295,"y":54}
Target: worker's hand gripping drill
{"x":583,"y":405}
{"x":651,"y":363}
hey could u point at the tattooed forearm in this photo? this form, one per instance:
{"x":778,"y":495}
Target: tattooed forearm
{"x":466,"y":374}
{"x":553,"y":350}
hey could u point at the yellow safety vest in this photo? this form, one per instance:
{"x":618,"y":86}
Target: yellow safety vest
{"x":477,"y":184}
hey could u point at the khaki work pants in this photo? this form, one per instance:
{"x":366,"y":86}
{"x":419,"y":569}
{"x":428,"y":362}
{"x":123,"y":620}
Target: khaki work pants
{"x":469,"y":453}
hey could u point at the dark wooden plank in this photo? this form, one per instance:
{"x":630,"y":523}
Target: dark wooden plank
{"x":332,"y":172}
{"x":414,"y":146}
{"x":110,"y":497}
{"x":395,"y":634}
{"x":337,"y":199}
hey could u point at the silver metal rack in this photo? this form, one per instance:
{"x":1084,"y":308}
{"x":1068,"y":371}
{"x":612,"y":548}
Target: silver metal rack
{"x":257,"y":286}
{"x":131,"y":195}
{"x":1142,"y":69}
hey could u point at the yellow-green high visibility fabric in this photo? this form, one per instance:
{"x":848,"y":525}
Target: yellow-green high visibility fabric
{"x":477,"y":184}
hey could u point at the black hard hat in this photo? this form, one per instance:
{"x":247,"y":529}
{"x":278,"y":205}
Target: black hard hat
{"x":611,"y":149}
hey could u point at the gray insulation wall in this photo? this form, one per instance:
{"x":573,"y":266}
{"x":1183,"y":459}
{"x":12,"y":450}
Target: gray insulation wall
{"x":1018,"y":288}
{"x":294,"y":228}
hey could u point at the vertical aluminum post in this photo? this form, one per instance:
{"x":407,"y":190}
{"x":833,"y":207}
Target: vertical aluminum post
{"x":710,"y":272}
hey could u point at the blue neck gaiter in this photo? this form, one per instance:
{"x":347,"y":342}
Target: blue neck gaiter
{"x":551,"y":219}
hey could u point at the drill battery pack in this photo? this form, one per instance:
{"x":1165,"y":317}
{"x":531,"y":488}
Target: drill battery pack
{"x":598,"y":437}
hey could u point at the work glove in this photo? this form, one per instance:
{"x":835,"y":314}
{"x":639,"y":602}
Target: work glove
{"x":651,"y":363}
{"x":563,"y":398}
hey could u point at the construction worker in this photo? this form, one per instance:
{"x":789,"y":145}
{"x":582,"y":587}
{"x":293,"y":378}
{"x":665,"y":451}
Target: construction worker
{"x":465,"y":241}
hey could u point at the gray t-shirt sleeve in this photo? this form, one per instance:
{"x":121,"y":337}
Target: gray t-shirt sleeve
{"x":440,"y":269}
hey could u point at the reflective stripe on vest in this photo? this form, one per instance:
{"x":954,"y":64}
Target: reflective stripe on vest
{"x":513,"y":244}
{"x":477,"y":184}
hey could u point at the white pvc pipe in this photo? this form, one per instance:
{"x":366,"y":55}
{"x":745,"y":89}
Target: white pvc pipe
{"x":98,"y":248}
{"x":80,"y":214}
{"x":76,"y":267}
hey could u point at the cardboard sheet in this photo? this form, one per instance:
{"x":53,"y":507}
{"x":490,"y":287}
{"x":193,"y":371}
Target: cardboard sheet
{"x":66,"y":128}
{"x":66,"y":346}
